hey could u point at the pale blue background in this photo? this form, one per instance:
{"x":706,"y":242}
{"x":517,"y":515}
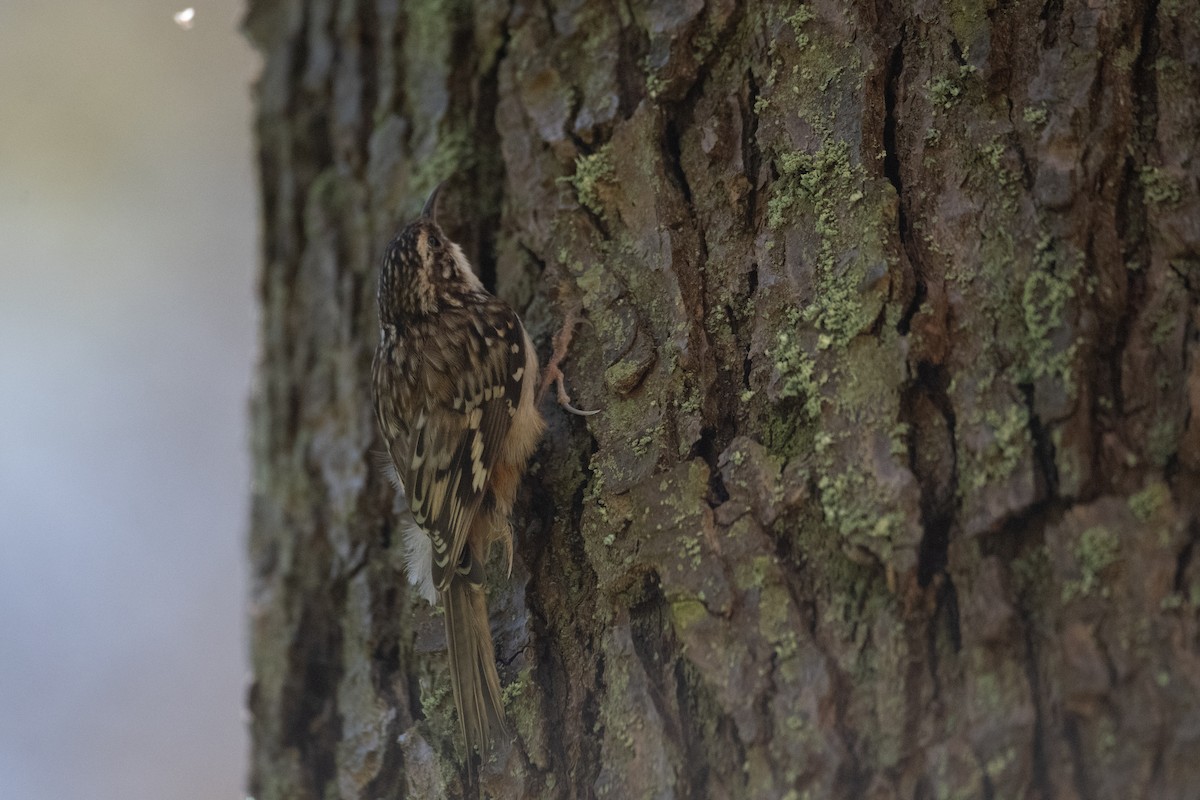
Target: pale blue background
{"x":128,"y":237}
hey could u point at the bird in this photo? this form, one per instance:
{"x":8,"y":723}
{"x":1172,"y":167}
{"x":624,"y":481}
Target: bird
{"x":455,"y":388}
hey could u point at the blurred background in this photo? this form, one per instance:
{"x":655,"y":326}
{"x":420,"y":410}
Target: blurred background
{"x":128,"y":236}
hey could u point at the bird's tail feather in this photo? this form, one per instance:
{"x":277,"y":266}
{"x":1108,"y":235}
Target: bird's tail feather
{"x":472,"y":664}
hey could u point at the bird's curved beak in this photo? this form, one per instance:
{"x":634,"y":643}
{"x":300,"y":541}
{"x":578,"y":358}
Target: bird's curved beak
{"x":430,"y":210}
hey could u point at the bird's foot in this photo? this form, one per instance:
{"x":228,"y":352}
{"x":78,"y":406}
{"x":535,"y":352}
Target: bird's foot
{"x":554,"y":374}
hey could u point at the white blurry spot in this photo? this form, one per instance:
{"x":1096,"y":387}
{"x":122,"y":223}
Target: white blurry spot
{"x":186,"y":18}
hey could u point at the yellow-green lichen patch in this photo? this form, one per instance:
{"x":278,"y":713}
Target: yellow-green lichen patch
{"x":943,"y":92}
{"x":803,"y":177}
{"x":851,"y":261}
{"x":796,"y":368}
{"x":1097,"y":549}
{"x":846,"y":587}
{"x":437,"y":706}
{"x":1035,"y":115}
{"x":623,"y":376}
{"x":454,"y":152}
{"x":1162,"y":440}
{"x":847,"y":503}
{"x":1158,"y":187}
{"x":1146,"y":503}
{"x":1047,"y":289}
{"x":1032,"y":571}
{"x":802,"y":16}
{"x":953,"y":772}
{"x":655,"y":83}
{"x":867,"y":502}
{"x":686,"y":613}
{"x":1032,"y":326}
{"x":776,"y":620}
{"x":1009,"y":442}
{"x":521,"y":706}
{"x":592,"y":170}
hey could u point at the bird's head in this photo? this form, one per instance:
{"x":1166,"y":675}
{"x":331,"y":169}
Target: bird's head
{"x":423,"y":271}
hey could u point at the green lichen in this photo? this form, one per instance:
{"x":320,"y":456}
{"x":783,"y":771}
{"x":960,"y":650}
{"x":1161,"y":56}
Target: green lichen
{"x":785,"y":430}
{"x":834,"y":218}
{"x":623,"y":373}
{"x":1158,"y":187}
{"x":703,"y":43}
{"x":1072,"y":465}
{"x":1031,"y":570}
{"x":851,"y":257}
{"x":641,"y":445}
{"x":796,"y":372}
{"x":1097,"y":549}
{"x":774,"y":623}
{"x":523,"y":710}
{"x":1035,"y":115}
{"x":1000,"y":762}
{"x":1044,"y":297}
{"x":1009,"y":442}
{"x":1162,"y":441}
{"x":798,"y":21}
{"x":594,"y":497}
{"x":454,"y":152}
{"x":444,"y":143}
{"x":848,"y":509}
{"x":1125,"y":58}
{"x":687,"y":613}
{"x":690,"y":405}
{"x":804,"y":177}
{"x":1167,"y":318}
{"x":1146,"y":503}
{"x":1049,"y":275}
{"x":654,"y":82}
{"x":591,"y":170}
{"x":510,"y":693}
{"x":437,"y":706}
{"x":618,"y":721}
{"x":692,"y":550}
{"x":991,"y":173}
{"x":898,"y":437}
{"x":945,"y":91}
{"x":753,"y":575}
{"x":433,"y":696}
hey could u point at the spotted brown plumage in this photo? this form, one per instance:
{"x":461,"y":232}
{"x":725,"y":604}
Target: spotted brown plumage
{"x":454,"y":377}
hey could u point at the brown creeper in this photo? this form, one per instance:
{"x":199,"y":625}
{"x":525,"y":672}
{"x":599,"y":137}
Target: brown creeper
{"x":455,"y":379}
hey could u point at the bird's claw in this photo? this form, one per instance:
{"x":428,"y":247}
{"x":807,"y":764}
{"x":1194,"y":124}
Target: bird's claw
{"x":562,"y":341}
{"x":555,"y":375}
{"x":564,"y":399}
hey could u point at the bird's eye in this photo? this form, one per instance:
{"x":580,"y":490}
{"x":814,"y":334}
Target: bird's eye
{"x":433,"y":241}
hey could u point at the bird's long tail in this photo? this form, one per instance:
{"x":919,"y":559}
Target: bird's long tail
{"x":472,"y":664}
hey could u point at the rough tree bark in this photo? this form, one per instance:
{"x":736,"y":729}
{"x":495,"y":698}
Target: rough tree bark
{"x":891,"y":309}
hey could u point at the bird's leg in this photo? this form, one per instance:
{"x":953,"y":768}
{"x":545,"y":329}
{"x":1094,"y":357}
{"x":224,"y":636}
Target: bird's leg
{"x":562,"y":342}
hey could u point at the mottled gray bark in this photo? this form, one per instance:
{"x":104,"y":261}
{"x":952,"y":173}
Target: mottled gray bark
{"x":891,"y":309}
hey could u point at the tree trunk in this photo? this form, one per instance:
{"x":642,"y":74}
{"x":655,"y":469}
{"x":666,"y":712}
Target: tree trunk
{"x":891,"y":313}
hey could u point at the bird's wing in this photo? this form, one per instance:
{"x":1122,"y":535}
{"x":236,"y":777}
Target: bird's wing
{"x":456,"y":437}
